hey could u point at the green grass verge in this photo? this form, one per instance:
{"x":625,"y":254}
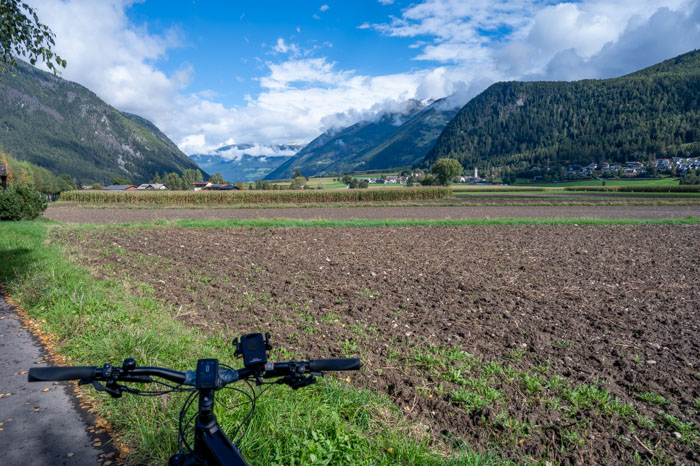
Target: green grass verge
{"x":367,"y":223}
{"x":98,"y":321}
{"x":608,"y":182}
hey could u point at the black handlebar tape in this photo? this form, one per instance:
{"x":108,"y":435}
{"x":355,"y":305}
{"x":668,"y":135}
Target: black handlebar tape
{"x":340,"y":364}
{"x":45,"y":374}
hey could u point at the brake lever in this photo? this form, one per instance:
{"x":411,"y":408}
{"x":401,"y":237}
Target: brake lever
{"x":114,"y":390}
{"x":296,"y":382}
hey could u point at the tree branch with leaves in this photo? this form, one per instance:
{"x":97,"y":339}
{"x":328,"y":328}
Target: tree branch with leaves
{"x":22,"y":35}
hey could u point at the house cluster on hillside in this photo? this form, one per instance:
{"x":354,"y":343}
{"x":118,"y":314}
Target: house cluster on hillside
{"x":634,"y":168}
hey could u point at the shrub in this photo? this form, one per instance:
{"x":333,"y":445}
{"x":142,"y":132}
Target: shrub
{"x":20,"y":202}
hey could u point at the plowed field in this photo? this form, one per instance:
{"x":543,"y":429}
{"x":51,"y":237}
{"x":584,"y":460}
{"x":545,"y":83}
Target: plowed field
{"x":68,"y":213}
{"x":578,"y":344}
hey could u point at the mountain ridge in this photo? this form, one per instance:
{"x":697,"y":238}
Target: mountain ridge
{"x":388,"y":141}
{"x":651,"y":112}
{"x":66,"y":128}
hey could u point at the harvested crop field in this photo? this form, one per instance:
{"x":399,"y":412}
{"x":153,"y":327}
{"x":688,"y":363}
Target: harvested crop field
{"x":572,"y":344}
{"x":74,"y":214}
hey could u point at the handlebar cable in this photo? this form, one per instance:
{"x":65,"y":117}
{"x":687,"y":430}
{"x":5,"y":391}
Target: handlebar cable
{"x":182,"y":445}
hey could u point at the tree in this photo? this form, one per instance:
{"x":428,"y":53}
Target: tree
{"x":297,"y":183}
{"x":216,"y":178}
{"x":297,"y":173}
{"x":21,"y":202}
{"x":21,"y":34}
{"x":445,"y":169}
{"x":120,"y":180}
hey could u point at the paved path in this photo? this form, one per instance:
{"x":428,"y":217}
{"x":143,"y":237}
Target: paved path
{"x":40,"y":423}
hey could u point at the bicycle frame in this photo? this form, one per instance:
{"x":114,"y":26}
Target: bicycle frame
{"x":211,"y":445}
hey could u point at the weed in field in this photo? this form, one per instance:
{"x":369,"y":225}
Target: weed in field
{"x":532,"y":383}
{"x":637,"y":359}
{"x":516,"y":355}
{"x":492,"y":368}
{"x":571,"y":438}
{"x":542,"y":368}
{"x":468,"y":400}
{"x":370,"y":294}
{"x":645,"y":422}
{"x":688,"y":430}
{"x":349,"y":348}
{"x":652,"y":397}
{"x":330,"y":318}
{"x":566,"y":344}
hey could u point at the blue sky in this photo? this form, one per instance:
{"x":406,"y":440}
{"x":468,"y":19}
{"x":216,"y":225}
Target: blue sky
{"x":228,"y":42}
{"x":210,"y":73}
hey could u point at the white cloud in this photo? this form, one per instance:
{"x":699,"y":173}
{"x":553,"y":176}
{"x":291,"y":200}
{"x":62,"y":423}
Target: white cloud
{"x":255,"y":150}
{"x":324,"y":7}
{"x":282,"y":47}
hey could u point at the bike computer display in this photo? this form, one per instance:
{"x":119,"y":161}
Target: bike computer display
{"x":207,"y":373}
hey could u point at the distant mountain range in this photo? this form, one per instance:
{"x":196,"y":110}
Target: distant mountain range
{"x":388,"y":141}
{"x":64,"y":127}
{"x":245,"y":162}
{"x":651,"y":113}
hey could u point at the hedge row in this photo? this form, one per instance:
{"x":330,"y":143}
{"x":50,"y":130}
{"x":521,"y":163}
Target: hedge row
{"x":686,"y":188}
{"x":256,"y":197}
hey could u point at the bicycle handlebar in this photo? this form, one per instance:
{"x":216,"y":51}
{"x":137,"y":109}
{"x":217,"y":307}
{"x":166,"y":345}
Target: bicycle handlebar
{"x":46,"y":374}
{"x":338,"y":364}
{"x":226,"y":376}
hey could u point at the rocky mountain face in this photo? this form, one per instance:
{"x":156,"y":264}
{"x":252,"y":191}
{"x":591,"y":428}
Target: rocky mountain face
{"x":66,"y":128}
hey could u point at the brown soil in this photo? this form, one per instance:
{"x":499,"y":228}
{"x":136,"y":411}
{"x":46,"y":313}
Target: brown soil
{"x":605,"y":311}
{"x":68,"y":213}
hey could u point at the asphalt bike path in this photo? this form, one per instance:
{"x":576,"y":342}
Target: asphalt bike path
{"x":40,"y":423}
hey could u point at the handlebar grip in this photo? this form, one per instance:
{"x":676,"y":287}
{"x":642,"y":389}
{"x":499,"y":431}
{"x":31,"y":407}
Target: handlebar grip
{"x":339,"y":364}
{"x":45,"y":374}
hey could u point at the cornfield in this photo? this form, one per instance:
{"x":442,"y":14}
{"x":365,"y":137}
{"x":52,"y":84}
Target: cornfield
{"x":256,"y":197}
{"x":684,"y":188}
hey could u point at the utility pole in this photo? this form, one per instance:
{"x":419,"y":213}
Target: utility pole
{"x":3,"y":175}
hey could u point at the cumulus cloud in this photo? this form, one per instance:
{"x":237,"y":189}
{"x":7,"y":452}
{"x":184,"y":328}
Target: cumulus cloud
{"x":282,"y":47}
{"x":254,"y":150}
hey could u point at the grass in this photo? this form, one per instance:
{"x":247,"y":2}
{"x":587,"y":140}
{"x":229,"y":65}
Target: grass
{"x":93,"y":321}
{"x":477,"y":387}
{"x":652,"y":397}
{"x":368,"y":223}
{"x":608,"y":182}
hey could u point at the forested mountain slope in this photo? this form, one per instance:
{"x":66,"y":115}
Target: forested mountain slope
{"x":64,"y":127}
{"x":392,"y":140}
{"x":651,"y":113}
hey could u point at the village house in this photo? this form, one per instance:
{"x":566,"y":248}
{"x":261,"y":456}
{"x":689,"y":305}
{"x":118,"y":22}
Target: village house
{"x":200,"y":185}
{"x":121,"y":187}
{"x":152,"y":186}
